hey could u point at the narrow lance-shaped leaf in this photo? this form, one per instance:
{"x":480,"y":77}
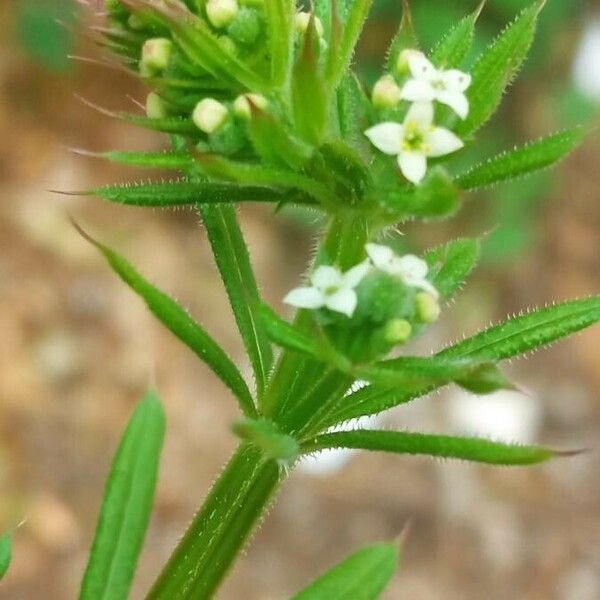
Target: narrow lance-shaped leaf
{"x":177,"y":320}
{"x":521,"y":161}
{"x":506,"y":340}
{"x":497,"y":67}
{"x":126,"y":505}
{"x":451,"y":263}
{"x":362,"y":576}
{"x":150,"y":160}
{"x":309,"y":93}
{"x":453,"y":48}
{"x":353,"y":25}
{"x":280,"y":17}
{"x":232,"y":258}
{"x":286,"y":334}
{"x":5,"y":554}
{"x":183,"y":192}
{"x":444,"y":446}
{"x":405,"y":38}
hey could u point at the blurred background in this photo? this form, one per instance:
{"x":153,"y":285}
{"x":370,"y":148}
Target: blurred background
{"x":78,"y":348}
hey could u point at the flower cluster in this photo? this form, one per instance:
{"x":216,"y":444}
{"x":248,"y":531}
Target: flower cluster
{"x":336,"y":291}
{"x":417,"y":138}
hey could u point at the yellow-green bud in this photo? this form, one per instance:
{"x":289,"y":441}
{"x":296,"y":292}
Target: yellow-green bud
{"x":221,"y":12}
{"x":156,"y":53}
{"x":228,"y":44}
{"x":404,"y":57}
{"x":155,"y":106}
{"x":135,"y":23}
{"x":242,"y":108}
{"x":209,"y":115}
{"x":386,"y":92}
{"x":301,"y":21}
{"x":397,"y":331}
{"x":427,"y":307}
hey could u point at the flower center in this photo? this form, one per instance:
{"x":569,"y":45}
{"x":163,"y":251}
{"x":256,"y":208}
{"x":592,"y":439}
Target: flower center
{"x":413,"y":137}
{"x":438,"y":84}
{"x":330,"y":290}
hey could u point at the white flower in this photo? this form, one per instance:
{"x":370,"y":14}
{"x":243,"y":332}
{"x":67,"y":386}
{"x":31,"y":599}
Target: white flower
{"x":414,"y":140}
{"x":331,"y":289}
{"x":429,"y":84}
{"x":411,"y":269}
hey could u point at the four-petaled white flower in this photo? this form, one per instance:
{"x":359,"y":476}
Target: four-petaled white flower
{"x":429,"y":84}
{"x":330,"y":288}
{"x":411,"y":269}
{"x":414,"y":141}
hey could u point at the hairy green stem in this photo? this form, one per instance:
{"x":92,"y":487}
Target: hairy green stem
{"x":220,"y":529}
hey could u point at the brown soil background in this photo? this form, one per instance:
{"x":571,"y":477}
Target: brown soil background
{"x":77,"y":349}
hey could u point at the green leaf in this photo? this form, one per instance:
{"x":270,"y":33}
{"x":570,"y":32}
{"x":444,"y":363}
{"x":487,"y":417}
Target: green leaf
{"x":177,"y":320}
{"x":506,"y":340}
{"x":252,"y":174}
{"x":183,"y":192}
{"x":286,"y":334}
{"x":444,"y":446}
{"x":310,"y":102}
{"x":529,"y":331}
{"x":413,"y":371}
{"x":5,"y":554}
{"x":485,"y":380}
{"x":352,"y":108}
{"x":521,"y":161}
{"x":405,"y":38}
{"x":280,"y":27}
{"x":451,"y":263}
{"x":126,"y":505}
{"x":454,"y":47}
{"x":496,"y":68}
{"x":232,"y":258}
{"x":219,"y":529}
{"x":362,"y":576}
{"x":352,"y":27}
{"x":274,"y":143}
{"x":151,"y":160}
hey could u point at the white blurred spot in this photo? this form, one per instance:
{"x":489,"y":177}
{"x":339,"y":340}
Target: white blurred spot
{"x":504,"y":416}
{"x":586,"y":69}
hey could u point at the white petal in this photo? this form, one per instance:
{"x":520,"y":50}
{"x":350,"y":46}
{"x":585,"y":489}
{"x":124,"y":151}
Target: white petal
{"x":455,"y":80}
{"x":420,"y":67}
{"x":457,"y":101}
{"x":382,"y":256}
{"x":421,"y":114}
{"x":442,"y":141}
{"x":354,"y":276}
{"x":386,"y":137}
{"x":412,"y":266}
{"x":426,"y":286}
{"x":343,"y":301}
{"x":305,"y":297}
{"x":418,"y":90}
{"x":413,"y":166}
{"x":326,"y":277}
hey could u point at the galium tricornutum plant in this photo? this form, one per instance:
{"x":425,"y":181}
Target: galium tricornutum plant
{"x":261,"y":105}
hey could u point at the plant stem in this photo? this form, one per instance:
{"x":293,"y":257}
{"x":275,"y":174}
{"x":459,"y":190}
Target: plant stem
{"x":220,"y":529}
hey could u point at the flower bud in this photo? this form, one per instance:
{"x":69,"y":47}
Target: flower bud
{"x":242,"y":108}
{"x":155,"y":106}
{"x":386,"y":92}
{"x":209,"y":115}
{"x":397,"y":331}
{"x":227,"y":44}
{"x":403,"y":59}
{"x":245,"y":28}
{"x":301,"y":21}
{"x":221,"y":12}
{"x":156,"y":53}
{"x":427,"y":308}
{"x":135,"y":23}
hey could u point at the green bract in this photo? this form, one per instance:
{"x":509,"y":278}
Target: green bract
{"x":261,"y":105}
